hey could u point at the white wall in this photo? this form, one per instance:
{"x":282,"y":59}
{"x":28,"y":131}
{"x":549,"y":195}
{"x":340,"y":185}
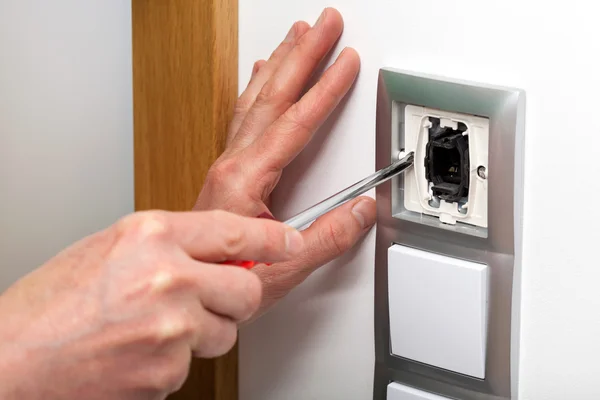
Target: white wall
{"x":318,"y":343}
{"x":66,"y":162}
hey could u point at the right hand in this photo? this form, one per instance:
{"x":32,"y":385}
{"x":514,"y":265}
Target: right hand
{"x":119,"y":314}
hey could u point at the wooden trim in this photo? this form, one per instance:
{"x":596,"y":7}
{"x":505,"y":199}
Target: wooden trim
{"x":185,"y":86}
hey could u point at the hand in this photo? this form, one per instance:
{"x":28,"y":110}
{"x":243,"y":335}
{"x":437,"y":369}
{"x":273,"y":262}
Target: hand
{"x":119,"y":314}
{"x":273,"y":122}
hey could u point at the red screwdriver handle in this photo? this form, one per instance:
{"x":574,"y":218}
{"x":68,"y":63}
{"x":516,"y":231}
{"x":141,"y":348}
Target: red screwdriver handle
{"x":240,"y":263}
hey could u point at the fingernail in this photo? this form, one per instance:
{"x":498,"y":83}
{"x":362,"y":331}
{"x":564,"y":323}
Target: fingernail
{"x":291,"y":34}
{"x":294,"y":241}
{"x":321,"y":18}
{"x":363,"y":212}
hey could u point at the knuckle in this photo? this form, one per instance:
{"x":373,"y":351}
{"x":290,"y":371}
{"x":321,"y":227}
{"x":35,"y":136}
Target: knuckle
{"x":275,"y":243}
{"x":226,"y":173}
{"x":284,"y":47}
{"x":334,"y":239}
{"x":266,"y":94}
{"x":242,"y":105}
{"x":320,"y":103}
{"x":225,"y":168}
{"x":273,"y":95}
{"x":233,"y":240}
{"x":172,"y":328}
{"x":145,"y":225}
{"x":162,"y":280}
{"x":296,"y":122}
{"x":225,"y":179}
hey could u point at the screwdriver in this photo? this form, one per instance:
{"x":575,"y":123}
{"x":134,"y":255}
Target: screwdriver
{"x":351,"y":192}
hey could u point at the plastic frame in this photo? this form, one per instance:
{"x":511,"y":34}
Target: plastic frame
{"x":500,"y":249}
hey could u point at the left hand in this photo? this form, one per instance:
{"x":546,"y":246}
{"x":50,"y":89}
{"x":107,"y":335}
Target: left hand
{"x":273,"y":122}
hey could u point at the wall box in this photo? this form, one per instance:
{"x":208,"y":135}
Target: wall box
{"x":449,"y":111}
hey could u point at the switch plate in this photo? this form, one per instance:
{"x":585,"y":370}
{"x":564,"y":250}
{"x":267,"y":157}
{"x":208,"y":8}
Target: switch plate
{"x":438,"y":310}
{"x":499,"y":245}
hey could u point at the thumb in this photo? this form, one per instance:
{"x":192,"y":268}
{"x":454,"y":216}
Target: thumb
{"x":326,"y":239}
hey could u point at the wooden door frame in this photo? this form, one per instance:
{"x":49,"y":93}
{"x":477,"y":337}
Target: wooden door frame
{"x":185,"y":59}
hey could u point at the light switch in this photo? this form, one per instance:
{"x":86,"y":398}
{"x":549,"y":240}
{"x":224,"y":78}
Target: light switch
{"x":438,"y":310}
{"x":396,"y":391}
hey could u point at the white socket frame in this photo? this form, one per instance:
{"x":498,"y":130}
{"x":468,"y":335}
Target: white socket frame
{"x":416,"y":190}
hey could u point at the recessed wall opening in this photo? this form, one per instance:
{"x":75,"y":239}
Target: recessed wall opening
{"x":447,"y":162}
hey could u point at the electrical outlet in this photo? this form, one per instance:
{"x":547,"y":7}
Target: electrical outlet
{"x":449,"y":178}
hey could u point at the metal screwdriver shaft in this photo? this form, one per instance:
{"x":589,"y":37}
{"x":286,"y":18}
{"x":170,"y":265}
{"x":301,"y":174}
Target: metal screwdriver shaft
{"x":307,"y":216}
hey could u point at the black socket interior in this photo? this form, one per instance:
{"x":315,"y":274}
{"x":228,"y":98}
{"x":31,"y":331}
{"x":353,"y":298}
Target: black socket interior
{"x":447,"y":161}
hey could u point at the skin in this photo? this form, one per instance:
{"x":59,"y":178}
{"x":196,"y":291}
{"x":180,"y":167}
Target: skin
{"x":275,"y":118}
{"x":119,"y":314}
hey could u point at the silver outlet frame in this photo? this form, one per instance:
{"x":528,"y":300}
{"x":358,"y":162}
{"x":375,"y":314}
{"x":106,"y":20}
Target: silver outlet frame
{"x":499,"y":247}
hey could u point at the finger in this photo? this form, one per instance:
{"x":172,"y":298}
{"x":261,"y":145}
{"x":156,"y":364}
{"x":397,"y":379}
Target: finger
{"x":215,"y":335}
{"x":285,"y":86}
{"x":229,"y":291}
{"x":263,"y":73}
{"x":166,"y":369}
{"x":206,"y":333}
{"x":216,"y":236}
{"x":284,"y":139}
{"x":257,"y":66}
{"x":326,"y":239}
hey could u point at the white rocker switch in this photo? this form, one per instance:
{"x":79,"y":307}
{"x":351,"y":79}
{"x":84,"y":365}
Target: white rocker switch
{"x":438,"y":310}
